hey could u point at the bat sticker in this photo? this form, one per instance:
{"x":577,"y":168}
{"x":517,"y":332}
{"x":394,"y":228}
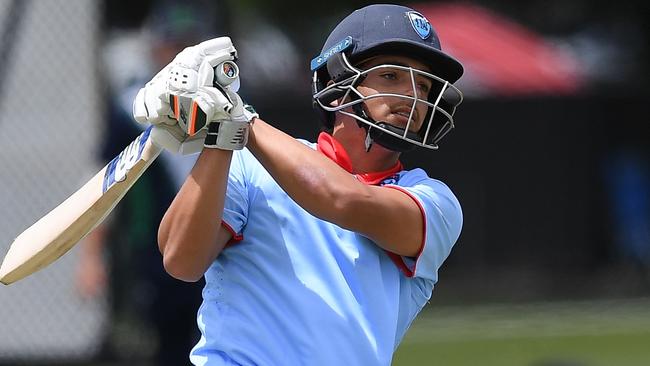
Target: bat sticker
{"x":118,"y":168}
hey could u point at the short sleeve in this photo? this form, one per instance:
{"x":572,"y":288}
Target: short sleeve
{"x":443,"y":220}
{"x":235,"y":213}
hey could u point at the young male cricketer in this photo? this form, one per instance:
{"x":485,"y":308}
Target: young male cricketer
{"x":315,"y":254}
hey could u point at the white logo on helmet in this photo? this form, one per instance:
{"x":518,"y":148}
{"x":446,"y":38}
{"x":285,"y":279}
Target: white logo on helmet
{"x":420,"y":24}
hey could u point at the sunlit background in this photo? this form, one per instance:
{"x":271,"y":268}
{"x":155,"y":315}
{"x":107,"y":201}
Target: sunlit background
{"x":550,"y":159}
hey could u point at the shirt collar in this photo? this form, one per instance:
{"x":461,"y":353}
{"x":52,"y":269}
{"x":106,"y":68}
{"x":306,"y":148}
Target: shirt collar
{"x":331,"y":148}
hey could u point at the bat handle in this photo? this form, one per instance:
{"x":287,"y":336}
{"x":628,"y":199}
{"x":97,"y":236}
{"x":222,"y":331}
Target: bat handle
{"x":225,"y":73}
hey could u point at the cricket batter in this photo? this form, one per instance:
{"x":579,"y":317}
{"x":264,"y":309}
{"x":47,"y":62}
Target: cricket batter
{"x":314,"y":253}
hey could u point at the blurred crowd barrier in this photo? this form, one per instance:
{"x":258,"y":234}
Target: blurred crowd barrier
{"x":50,"y":113}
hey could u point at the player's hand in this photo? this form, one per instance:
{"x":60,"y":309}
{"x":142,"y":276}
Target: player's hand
{"x":231,"y":132}
{"x":208,"y":97}
{"x":216,"y":105}
{"x":151,"y":104}
{"x":228,"y":132}
{"x":198,"y":80}
{"x":180,"y":100}
{"x":191,"y":68}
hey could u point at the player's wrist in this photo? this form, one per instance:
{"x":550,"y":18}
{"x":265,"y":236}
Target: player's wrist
{"x":255,"y":125}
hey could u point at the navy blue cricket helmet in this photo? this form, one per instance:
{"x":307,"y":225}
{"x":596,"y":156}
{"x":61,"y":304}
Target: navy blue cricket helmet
{"x":386,"y":30}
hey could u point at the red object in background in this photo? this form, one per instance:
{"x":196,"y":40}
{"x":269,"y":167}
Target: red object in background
{"x":500,"y":56}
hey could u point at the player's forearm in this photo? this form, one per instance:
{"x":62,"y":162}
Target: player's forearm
{"x":316,"y":183}
{"x":187,"y":236}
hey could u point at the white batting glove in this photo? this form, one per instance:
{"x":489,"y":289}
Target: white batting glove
{"x":206,"y":99}
{"x":231,"y":133}
{"x":198,"y":79}
{"x":151,"y":104}
{"x":181,"y":99}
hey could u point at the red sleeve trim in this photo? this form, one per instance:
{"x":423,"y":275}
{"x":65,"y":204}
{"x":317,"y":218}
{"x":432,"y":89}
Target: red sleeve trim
{"x":236,"y":238}
{"x":399,"y":260}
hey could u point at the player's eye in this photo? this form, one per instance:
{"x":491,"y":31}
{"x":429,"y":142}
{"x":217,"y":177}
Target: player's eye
{"x":389,"y":75}
{"x":424,"y":87}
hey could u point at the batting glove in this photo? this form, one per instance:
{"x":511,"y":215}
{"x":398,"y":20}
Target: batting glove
{"x":151,"y":104}
{"x":231,"y":133}
{"x":185,"y":95}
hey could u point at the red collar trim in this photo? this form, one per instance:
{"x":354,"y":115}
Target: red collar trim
{"x":331,"y":148}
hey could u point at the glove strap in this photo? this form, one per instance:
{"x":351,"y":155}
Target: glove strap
{"x":227,"y":135}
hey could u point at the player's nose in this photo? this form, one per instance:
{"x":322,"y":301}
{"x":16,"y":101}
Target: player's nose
{"x":408,"y":89}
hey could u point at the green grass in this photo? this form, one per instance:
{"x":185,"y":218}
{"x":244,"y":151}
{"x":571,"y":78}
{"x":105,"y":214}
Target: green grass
{"x":604,"y":333}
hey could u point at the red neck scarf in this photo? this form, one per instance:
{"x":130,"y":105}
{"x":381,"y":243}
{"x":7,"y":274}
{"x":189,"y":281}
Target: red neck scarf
{"x":331,"y":148}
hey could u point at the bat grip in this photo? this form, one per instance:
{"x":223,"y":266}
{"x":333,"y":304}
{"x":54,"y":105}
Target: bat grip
{"x":225,"y":74}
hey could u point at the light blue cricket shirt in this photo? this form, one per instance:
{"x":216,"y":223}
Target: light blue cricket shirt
{"x":297,"y":290}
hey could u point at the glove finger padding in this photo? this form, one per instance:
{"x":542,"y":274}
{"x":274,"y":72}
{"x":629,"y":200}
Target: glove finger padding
{"x":182,"y":80}
{"x":193,"y":111}
{"x":188,"y":115}
{"x":151,"y":103}
{"x":192,"y":57}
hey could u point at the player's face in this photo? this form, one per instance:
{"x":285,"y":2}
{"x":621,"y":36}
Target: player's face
{"x":391,"y":80}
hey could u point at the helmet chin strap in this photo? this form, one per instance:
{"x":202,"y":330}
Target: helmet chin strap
{"x":382,"y":138}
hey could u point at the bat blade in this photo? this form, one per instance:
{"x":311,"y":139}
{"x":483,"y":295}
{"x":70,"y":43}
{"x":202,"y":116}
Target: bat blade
{"x":59,"y":230}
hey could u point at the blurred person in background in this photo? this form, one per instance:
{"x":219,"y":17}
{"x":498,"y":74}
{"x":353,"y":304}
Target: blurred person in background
{"x":120,"y":257}
{"x":626,"y":173}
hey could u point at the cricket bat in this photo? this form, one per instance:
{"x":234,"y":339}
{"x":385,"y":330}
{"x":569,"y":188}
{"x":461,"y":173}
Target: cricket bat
{"x":58,"y":231}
